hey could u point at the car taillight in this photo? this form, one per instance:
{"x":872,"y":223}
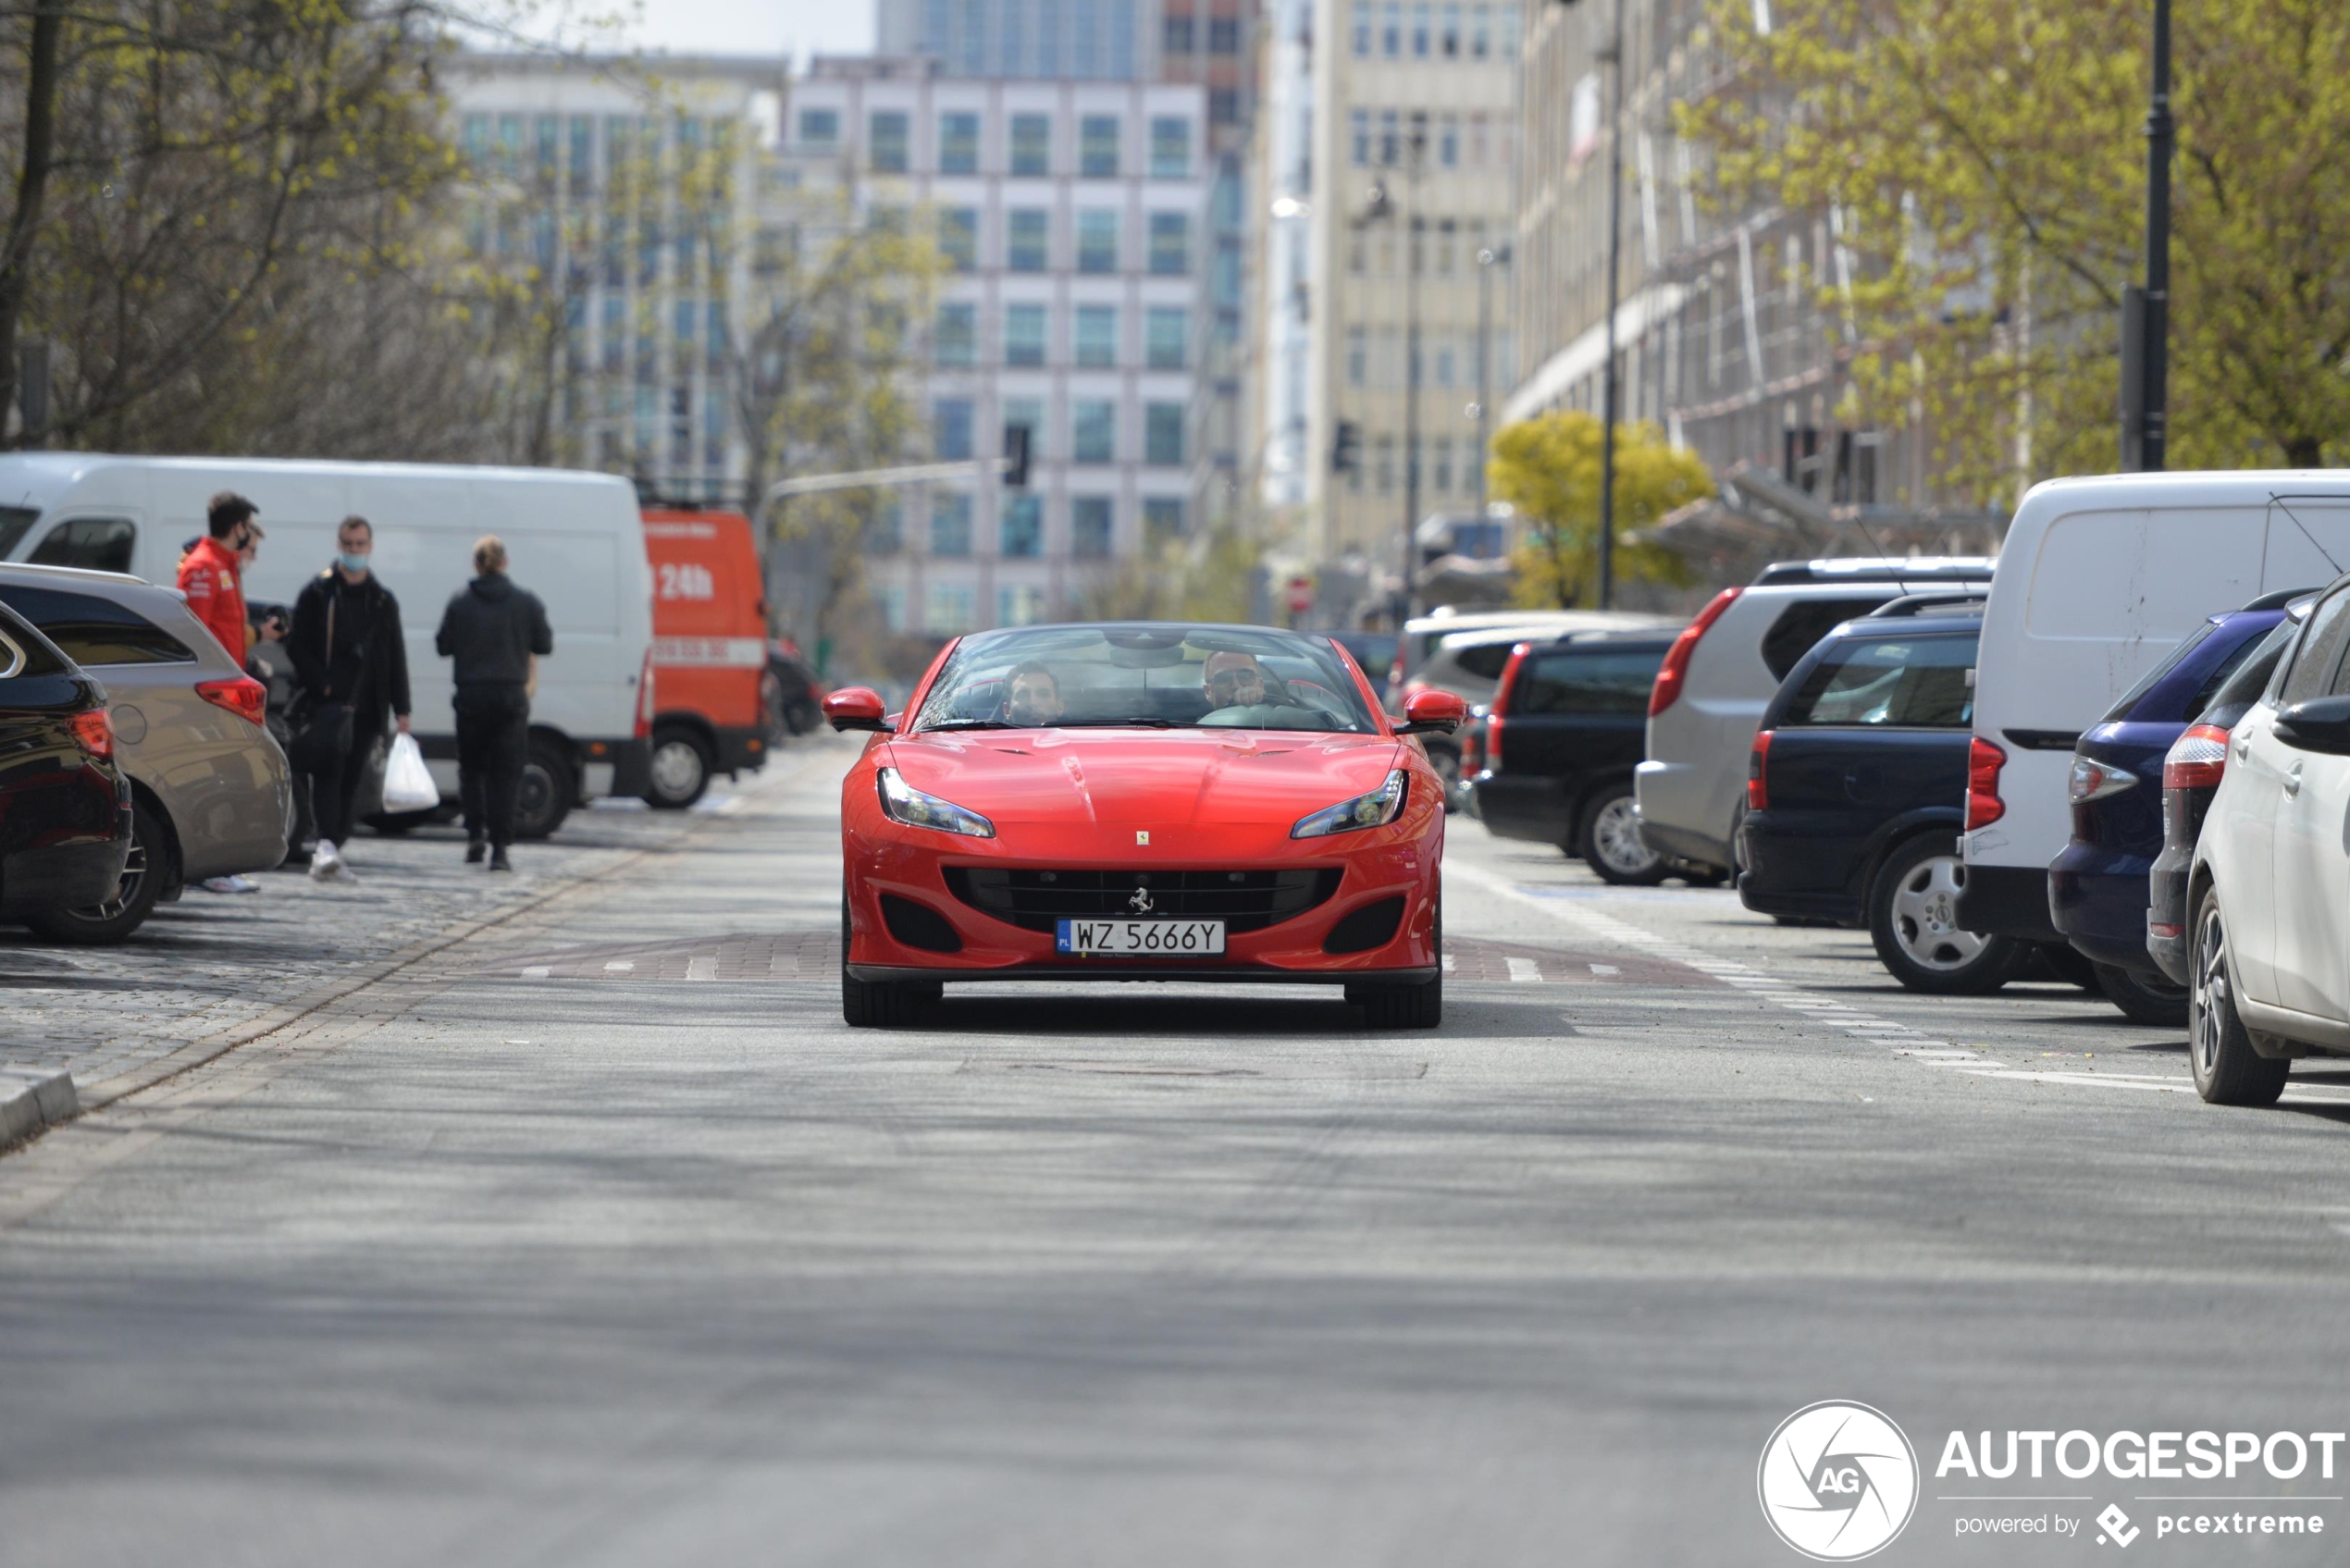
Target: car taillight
{"x":243,"y":695}
{"x":645,"y":697}
{"x":1758,"y":786}
{"x":1675,"y":668}
{"x":1501,"y":707}
{"x":92,"y":732}
{"x":1983,"y":806}
{"x":2093,"y":779}
{"x":2197,"y":760}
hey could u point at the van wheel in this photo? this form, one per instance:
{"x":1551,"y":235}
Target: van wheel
{"x":1913,"y":923}
{"x":2144,"y":998}
{"x":145,"y":873}
{"x":2228,"y":1072}
{"x":547,"y":794}
{"x":680,"y":767}
{"x":1610,"y":843}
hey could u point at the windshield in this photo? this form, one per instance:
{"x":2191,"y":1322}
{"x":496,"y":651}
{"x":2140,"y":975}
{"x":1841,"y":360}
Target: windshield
{"x":1148,"y":675}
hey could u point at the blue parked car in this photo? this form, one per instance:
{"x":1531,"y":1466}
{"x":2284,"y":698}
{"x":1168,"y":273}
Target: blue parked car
{"x":1856,"y":792}
{"x":2098,"y":885}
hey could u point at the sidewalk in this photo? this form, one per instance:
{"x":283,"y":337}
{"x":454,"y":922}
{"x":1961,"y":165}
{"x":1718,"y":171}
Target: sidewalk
{"x":211,"y":972}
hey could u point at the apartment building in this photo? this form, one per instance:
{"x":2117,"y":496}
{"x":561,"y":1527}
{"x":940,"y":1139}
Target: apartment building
{"x":1407,"y":179}
{"x":1073,"y":214}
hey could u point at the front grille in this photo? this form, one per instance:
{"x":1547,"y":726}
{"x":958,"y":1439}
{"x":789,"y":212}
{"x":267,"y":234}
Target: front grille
{"x":1244,"y":901}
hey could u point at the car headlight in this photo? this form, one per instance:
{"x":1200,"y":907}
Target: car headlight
{"x":901,"y":802}
{"x":1378,"y":809}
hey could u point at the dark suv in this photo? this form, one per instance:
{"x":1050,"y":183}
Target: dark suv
{"x":1856,"y":791}
{"x":1560,"y":742}
{"x":64,"y":806}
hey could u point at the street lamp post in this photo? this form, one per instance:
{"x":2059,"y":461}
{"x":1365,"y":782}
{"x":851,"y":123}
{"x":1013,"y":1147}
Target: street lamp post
{"x":1382,"y":208}
{"x":1614,"y":61}
{"x":1487,"y":259}
{"x":2146,"y":314}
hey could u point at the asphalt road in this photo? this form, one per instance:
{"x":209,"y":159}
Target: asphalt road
{"x":606,"y":1242}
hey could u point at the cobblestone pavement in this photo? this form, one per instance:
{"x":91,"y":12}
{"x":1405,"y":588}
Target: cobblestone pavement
{"x":211,"y":971}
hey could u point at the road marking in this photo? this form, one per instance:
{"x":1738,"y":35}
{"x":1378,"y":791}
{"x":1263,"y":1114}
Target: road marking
{"x":619,"y":966}
{"x":1525,"y":970}
{"x":537,"y":971}
{"x":1448,"y":963}
{"x":702,"y":968}
{"x":1605,"y":969}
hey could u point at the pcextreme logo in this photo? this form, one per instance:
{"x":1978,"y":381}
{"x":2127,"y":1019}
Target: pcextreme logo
{"x":1839,"y":1481}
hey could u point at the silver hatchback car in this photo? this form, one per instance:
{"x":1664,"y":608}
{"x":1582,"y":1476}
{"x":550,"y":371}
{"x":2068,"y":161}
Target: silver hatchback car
{"x":211,"y":792}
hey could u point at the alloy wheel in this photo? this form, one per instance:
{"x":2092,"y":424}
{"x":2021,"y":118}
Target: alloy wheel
{"x":677,"y":769}
{"x":1925,"y":918}
{"x":2208,"y":990}
{"x":1616,"y":833}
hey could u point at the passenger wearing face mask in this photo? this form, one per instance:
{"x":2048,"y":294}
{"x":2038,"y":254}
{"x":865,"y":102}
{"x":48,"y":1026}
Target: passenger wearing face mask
{"x":352,"y":660}
{"x":210,"y":573}
{"x":1033,"y":697}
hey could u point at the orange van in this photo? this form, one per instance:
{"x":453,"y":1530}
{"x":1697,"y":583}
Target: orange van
{"x":710,"y":651}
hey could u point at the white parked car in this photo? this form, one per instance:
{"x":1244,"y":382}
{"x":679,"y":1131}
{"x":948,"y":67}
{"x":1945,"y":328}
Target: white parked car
{"x":2268,"y":894}
{"x":577,"y":539}
{"x":1724,"y":670}
{"x":2097,"y":579}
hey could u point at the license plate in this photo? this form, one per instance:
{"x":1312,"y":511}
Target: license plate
{"x":1166,"y":939}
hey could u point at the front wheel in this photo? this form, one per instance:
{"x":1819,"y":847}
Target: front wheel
{"x":144,"y":873}
{"x":878,"y":1004}
{"x":2146,"y":999}
{"x":2228,"y":1072}
{"x":1913,"y":924}
{"x":680,"y":767}
{"x":1417,"y":1006}
{"x":546,"y":796}
{"x":1610,"y":842}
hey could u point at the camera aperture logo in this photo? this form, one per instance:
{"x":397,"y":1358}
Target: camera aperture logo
{"x":1839,"y":1481}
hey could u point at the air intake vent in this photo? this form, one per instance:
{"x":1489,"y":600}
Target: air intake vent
{"x":1371,"y":926}
{"x":1244,"y":901}
{"x":917,"y":925}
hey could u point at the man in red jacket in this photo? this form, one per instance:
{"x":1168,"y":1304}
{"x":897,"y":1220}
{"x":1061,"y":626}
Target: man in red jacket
{"x":208,"y":572}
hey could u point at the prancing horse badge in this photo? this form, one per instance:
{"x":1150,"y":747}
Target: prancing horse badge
{"x":1142,"y":835}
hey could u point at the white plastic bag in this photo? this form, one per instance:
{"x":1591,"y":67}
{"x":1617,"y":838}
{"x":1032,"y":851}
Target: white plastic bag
{"x":408,"y":785}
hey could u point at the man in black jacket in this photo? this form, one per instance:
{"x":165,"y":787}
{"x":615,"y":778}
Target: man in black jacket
{"x":494,"y":632}
{"x":351,"y":658}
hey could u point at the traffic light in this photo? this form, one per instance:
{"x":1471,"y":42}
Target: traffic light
{"x":1347,"y":452}
{"x":1015,"y":457}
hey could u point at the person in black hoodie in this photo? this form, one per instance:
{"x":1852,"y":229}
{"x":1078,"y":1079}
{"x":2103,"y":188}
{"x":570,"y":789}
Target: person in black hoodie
{"x":492,"y":631}
{"x":350,"y":659}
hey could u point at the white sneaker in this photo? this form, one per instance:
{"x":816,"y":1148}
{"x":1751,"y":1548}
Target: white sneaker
{"x":229,"y":884}
{"x":327,"y":865}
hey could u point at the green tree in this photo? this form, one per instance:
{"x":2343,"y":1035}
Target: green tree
{"x":1548,"y":467}
{"x":1982,"y":168}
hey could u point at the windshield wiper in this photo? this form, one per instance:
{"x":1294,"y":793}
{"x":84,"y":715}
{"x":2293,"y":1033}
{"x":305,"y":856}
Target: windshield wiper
{"x":968,"y":725}
{"x":1126,"y":724}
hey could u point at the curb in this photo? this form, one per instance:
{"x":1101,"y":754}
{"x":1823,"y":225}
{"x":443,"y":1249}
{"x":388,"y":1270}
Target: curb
{"x":31,"y":1104}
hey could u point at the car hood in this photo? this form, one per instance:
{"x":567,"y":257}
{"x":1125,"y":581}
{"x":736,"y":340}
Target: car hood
{"x":1145,"y":778}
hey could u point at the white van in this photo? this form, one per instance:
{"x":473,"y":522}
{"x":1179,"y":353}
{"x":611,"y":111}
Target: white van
{"x":2097,"y":579}
{"x":577,"y":539}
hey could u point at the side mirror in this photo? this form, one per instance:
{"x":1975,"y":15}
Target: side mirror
{"x":2321,"y":724}
{"x":1429,"y":709}
{"x":854,"y":708}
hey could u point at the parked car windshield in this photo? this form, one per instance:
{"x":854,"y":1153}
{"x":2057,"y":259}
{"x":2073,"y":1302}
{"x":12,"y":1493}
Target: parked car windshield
{"x":1912,"y":682}
{"x":1154,"y":677}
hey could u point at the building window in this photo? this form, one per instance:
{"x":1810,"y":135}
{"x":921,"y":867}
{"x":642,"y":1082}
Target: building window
{"x":1359,"y":126}
{"x":1506,"y":45}
{"x":1097,"y":240}
{"x":1089,"y":527}
{"x":1170,"y":147}
{"x":1383,"y":463}
{"x":1167,"y":339}
{"x":1031,"y":412}
{"x":1097,"y":336}
{"x":1032,"y":146}
{"x":886,"y":142}
{"x":1420,"y":30}
{"x":1477,"y":141}
{"x":959,"y":144}
{"x":950,"y":524}
{"x":1357,"y":356}
{"x":1023,"y":527}
{"x":891,"y":600}
{"x":956,"y":347}
{"x":1024,"y":333}
{"x":951,"y":429}
{"x":1097,"y":147}
{"x":953,"y":607}
{"x":1481,"y":31}
{"x":1163,"y":435}
{"x":1019,"y":604}
{"x":1448,"y":141}
{"x":1163,"y":518}
{"x":1390,"y":31}
{"x":1027,"y":239}
{"x":1362,"y":30}
{"x":958,"y":236}
{"x":1179,"y":33}
{"x":1224,"y":35}
{"x":1093,"y":425}
{"x":582,"y":154}
{"x":1449,"y":41}
{"x":1170,"y":244}
{"x":1441,"y":476}
{"x":886,"y":535}
{"x":1223,"y":106}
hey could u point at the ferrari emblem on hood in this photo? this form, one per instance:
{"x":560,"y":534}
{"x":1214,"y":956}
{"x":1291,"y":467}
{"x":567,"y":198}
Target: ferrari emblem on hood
{"x":1141,"y":902}
{"x":1142,"y":835}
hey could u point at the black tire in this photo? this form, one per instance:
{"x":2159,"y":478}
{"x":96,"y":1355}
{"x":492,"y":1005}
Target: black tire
{"x":2146,"y":999}
{"x":884,"y":1004}
{"x":145,"y":874}
{"x":1697,"y":874}
{"x":1911,"y":926}
{"x":2069,"y":964}
{"x":2228,"y":1072}
{"x":682,"y":764}
{"x":1411,"y":1006}
{"x":550,"y":790}
{"x":1608,"y":840}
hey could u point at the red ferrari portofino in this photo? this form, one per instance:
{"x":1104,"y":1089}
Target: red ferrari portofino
{"x":1141,"y":801}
